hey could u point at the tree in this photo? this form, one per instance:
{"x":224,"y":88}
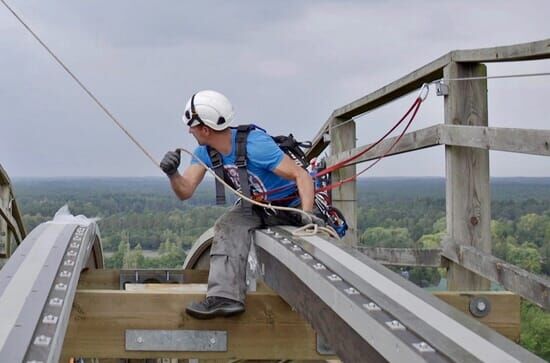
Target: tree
{"x":386,"y":237}
{"x":525,"y":256}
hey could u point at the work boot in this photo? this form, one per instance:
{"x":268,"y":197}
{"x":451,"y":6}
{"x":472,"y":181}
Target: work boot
{"x":214,"y":306}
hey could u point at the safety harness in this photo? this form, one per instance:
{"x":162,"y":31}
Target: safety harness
{"x":291,"y":147}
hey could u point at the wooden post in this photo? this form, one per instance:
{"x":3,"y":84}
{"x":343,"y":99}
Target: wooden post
{"x":468,"y":195}
{"x":342,"y":138}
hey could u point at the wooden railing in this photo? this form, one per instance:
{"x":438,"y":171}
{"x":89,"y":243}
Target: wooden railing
{"x":466,"y":250}
{"x":12,"y":230}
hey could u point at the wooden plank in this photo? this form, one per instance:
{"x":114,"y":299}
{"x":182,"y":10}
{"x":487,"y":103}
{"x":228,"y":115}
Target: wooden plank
{"x":511,"y":53}
{"x":535,"y":142}
{"x":415,"y":140}
{"x":468,"y":197}
{"x":504,"y":314}
{"x":343,"y":137}
{"x":404,"y":85}
{"x":404,"y":256}
{"x":269,"y":329}
{"x":528,"y":285}
{"x":109,"y":279}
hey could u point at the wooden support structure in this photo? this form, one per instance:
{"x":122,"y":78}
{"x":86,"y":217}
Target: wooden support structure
{"x":425,"y":74}
{"x":343,"y":137}
{"x":415,"y":140}
{"x":524,"y":141}
{"x":504,"y":314}
{"x":528,"y":285}
{"x":269,"y":329}
{"x":418,"y":257}
{"x":468,"y":196}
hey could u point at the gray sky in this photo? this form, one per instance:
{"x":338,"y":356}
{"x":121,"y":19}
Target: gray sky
{"x":286,"y":65}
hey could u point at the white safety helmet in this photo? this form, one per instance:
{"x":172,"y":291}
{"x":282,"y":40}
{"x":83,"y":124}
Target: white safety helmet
{"x":209,"y":108}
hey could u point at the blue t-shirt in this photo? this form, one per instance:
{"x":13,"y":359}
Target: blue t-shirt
{"x":263,"y":156}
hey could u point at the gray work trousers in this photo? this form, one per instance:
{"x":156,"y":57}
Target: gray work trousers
{"x":228,"y":255}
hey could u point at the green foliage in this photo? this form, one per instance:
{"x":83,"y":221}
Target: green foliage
{"x":535,"y":330}
{"x":386,"y":237}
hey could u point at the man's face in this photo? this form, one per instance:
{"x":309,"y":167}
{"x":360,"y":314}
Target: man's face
{"x":201,"y":133}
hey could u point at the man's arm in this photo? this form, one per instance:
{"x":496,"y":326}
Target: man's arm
{"x":184,"y":185}
{"x":289,"y":170}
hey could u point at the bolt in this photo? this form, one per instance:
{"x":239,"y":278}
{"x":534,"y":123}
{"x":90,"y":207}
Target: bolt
{"x":212,"y":340}
{"x":140,"y":340}
{"x":474,"y":221}
{"x":481,"y":306}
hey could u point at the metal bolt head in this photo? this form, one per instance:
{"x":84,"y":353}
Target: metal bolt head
{"x":371,"y":307}
{"x":140,"y":340}
{"x":212,"y":340}
{"x":56,"y":301}
{"x":49,"y":319}
{"x":481,"y":306}
{"x":319,"y":266}
{"x":42,"y":340}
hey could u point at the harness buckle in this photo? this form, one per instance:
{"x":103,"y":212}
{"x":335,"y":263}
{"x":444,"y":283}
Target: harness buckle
{"x":240,"y":161}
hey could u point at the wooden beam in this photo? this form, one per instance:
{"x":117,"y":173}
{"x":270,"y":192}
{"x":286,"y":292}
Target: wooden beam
{"x":536,"y":142}
{"x":528,"y":285}
{"x":468,"y":196}
{"x":504,"y":314}
{"x":404,"y":85}
{"x":404,"y":256}
{"x":269,"y":329}
{"x":415,"y":140}
{"x":428,"y":73}
{"x":511,"y":53}
{"x":343,"y":137}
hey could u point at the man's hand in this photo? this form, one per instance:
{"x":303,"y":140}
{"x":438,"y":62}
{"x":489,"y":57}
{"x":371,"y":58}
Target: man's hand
{"x":309,"y":217}
{"x":170,"y":162}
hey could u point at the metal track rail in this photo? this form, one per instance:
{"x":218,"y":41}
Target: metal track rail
{"x":366,"y":312}
{"x":37,"y":287}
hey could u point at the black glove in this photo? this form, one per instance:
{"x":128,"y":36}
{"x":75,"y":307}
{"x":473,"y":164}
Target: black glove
{"x":170,"y":162}
{"x":308,"y":218}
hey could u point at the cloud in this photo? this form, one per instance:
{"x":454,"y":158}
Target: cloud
{"x":285,"y":65}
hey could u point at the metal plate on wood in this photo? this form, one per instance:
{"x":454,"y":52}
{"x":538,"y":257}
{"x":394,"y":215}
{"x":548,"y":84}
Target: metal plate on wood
{"x":176,"y":340}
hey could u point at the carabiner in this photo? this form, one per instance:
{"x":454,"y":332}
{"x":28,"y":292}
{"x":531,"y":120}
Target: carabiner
{"x":424,"y":90}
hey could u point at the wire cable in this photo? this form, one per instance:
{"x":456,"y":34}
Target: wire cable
{"x":519,"y":75}
{"x":308,"y":227}
{"x":77,"y":80}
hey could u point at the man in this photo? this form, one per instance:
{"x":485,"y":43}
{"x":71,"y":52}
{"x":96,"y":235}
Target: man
{"x":209,"y":115}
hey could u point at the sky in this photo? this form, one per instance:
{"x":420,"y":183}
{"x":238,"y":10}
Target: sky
{"x":285,"y":65}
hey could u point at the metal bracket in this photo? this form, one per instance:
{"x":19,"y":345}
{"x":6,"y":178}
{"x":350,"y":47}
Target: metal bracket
{"x":322,"y":346}
{"x":441,"y":89}
{"x":144,"y":276}
{"x":176,"y":340}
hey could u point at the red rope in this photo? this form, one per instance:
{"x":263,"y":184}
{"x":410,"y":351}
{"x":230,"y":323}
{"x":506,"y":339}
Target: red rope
{"x":414,"y":108}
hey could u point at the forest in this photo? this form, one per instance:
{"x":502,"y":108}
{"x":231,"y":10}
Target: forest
{"x":143,"y":225}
